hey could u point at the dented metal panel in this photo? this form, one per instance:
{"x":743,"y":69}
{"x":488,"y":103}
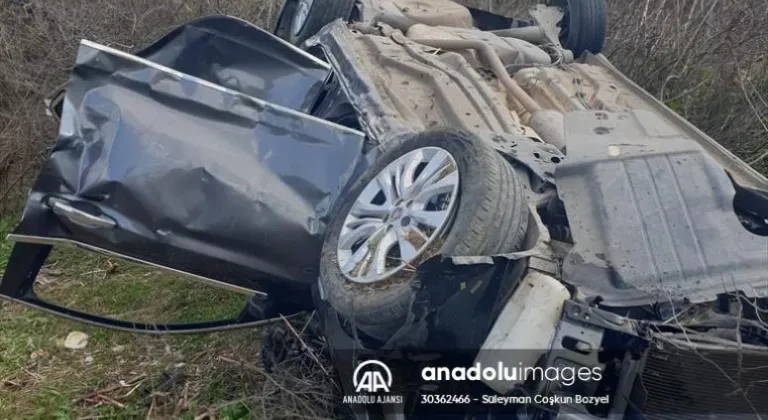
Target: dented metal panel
{"x":162,"y":167}
{"x":652,"y":215}
{"x":396,"y":82}
{"x":399,"y":87}
{"x":233,"y":53}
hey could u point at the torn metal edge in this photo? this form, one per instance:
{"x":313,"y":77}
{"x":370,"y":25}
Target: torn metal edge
{"x":180,"y":75}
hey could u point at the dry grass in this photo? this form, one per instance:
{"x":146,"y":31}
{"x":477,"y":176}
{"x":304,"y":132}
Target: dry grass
{"x":706,"y":60}
{"x":123,"y":375}
{"x":120,"y":375}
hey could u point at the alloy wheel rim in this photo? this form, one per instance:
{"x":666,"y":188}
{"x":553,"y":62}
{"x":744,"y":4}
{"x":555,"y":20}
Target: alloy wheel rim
{"x":301,"y":15}
{"x":398,"y":215}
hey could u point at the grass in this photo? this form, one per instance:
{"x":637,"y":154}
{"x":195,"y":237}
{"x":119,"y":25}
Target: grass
{"x":119,"y":375}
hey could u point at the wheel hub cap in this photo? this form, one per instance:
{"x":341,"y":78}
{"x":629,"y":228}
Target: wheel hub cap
{"x":398,"y":215}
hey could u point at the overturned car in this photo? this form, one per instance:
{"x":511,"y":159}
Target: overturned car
{"x":447,"y":188}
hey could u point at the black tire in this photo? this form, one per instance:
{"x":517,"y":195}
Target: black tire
{"x":583,"y":26}
{"x":491,"y":217}
{"x":321,"y":13}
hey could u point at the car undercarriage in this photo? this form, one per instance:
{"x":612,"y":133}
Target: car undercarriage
{"x":441,"y":186}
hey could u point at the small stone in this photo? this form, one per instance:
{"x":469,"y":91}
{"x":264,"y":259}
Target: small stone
{"x":118,"y":349}
{"x":88,"y":359}
{"x":76,"y":340}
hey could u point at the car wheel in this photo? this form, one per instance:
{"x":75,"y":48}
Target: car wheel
{"x":300,"y":19}
{"x":436,"y":192}
{"x":583,"y":25}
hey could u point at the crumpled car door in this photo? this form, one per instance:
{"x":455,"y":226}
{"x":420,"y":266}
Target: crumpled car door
{"x":233,"y":53}
{"x":172,"y":170}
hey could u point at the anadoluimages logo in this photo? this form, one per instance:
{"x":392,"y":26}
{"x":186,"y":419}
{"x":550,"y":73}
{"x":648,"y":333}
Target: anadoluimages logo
{"x":372,"y":380}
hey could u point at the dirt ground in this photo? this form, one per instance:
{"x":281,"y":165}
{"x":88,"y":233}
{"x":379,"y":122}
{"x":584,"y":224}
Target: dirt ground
{"x":705,"y":59}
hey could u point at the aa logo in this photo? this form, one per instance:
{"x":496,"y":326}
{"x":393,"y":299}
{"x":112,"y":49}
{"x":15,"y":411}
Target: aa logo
{"x":372,"y":376}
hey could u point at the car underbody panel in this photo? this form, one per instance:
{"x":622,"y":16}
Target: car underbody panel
{"x":652,"y":215}
{"x":594,"y":84}
{"x":399,"y":87}
{"x":645,"y":237}
{"x":415,"y":87}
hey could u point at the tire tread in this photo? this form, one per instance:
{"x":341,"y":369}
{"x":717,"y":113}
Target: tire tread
{"x":497,"y":224}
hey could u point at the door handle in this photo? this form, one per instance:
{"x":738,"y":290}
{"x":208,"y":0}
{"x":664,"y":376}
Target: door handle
{"x":63,"y":209}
